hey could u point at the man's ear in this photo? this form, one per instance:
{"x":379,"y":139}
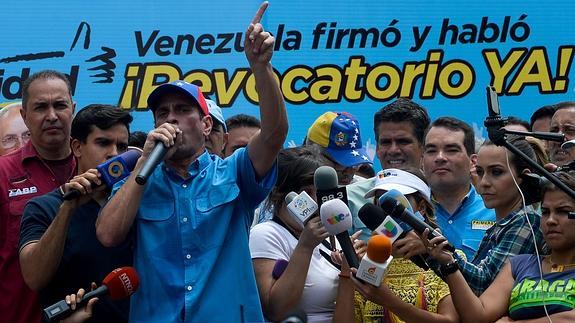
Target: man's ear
{"x":208,"y":124}
{"x":76,"y":147}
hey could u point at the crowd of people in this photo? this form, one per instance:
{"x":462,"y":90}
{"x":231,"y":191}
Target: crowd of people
{"x":212,"y":238}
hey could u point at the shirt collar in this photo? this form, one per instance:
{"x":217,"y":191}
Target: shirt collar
{"x":469,"y":196}
{"x":195,"y":167}
{"x":28,"y":151}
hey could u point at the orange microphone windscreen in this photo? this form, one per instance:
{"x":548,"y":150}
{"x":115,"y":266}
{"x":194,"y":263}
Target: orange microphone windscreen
{"x":378,"y":248}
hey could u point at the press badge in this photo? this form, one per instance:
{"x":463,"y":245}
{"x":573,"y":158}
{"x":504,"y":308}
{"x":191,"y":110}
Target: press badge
{"x":481,"y":225}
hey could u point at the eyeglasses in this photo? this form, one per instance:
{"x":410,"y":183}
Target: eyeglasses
{"x":9,"y":141}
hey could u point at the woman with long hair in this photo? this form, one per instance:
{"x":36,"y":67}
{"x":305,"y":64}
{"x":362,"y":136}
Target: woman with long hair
{"x":529,"y":288}
{"x":292,"y":260}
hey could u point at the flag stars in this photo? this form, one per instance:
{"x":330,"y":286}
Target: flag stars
{"x":355,"y":152}
{"x":352,"y":144}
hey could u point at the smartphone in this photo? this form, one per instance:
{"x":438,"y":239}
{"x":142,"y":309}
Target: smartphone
{"x":493,"y":102}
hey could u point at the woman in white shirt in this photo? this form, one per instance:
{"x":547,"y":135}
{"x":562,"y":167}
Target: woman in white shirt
{"x":292,"y":262}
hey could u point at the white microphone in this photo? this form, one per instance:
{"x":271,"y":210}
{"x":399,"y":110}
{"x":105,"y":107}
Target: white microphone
{"x":301,"y":206}
{"x":336,"y":218}
{"x":375,"y":263}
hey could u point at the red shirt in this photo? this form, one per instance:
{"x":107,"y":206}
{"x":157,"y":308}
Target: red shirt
{"x":23,"y":175}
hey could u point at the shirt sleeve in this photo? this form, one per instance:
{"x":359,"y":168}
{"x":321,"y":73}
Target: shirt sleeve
{"x":516,"y":240}
{"x":265,"y":242}
{"x":252,"y":190}
{"x":37,"y":217}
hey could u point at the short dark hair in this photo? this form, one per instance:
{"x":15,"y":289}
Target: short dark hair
{"x":546,"y":111}
{"x":564,"y":105}
{"x":103,"y":116}
{"x":403,"y":110}
{"x":455,"y":124}
{"x":137,"y":139}
{"x":43,"y":75}
{"x":242,"y":120}
{"x":512,"y":120}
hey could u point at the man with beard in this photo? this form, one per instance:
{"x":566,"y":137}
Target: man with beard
{"x":563,"y":121}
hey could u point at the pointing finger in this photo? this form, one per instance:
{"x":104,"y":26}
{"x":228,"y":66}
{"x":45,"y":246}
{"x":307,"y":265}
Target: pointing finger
{"x":260,"y":13}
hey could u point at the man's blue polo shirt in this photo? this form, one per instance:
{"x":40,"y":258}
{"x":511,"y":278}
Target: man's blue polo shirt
{"x":191,"y":247}
{"x":467,"y":225}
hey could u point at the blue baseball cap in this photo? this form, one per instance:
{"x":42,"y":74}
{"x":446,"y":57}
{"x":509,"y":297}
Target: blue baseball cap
{"x":216,"y":113}
{"x":188,"y":89}
{"x":338,"y":133}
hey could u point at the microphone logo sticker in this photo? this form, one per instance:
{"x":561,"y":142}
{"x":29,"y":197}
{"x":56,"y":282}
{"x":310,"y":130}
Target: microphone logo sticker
{"x":371,"y":270}
{"x":389,"y":229}
{"x":337,"y":218}
{"x":116,"y":169}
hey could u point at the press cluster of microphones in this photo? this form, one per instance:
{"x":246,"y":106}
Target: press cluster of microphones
{"x":388,"y":222}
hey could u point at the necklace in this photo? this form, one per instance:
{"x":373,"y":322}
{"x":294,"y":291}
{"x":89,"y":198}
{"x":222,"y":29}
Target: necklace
{"x":558,"y":268}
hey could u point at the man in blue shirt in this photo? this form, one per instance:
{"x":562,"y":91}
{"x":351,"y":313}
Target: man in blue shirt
{"x":449,"y":153}
{"x":192,"y":218}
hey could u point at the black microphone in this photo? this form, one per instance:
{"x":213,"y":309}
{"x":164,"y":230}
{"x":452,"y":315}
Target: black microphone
{"x":392,"y":207}
{"x":112,"y":170}
{"x":373,"y":216}
{"x":155,"y":158}
{"x":325,"y":182}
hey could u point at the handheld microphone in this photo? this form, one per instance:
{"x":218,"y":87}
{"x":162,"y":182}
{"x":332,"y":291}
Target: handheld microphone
{"x":395,"y":194}
{"x":375,"y":263}
{"x":113,"y":170}
{"x":398,"y":211}
{"x":336,"y":218}
{"x":155,"y":158}
{"x":325,"y":182}
{"x":120,"y":283}
{"x":301,"y":206}
{"x":376,"y":220}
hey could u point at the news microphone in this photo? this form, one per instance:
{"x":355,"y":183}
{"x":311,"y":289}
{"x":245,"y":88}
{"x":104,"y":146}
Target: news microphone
{"x":120,"y":283}
{"x":376,"y":220}
{"x":398,"y":211}
{"x":336,"y":218}
{"x":376,"y":261}
{"x":398,"y":196}
{"x":155,"y":158}
{"x":112,"y":171}
{"x":301,"y":207}
{"x":325,"y":182}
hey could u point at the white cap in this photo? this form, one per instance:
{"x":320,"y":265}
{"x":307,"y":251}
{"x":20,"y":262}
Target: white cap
{"x":397,"y":179}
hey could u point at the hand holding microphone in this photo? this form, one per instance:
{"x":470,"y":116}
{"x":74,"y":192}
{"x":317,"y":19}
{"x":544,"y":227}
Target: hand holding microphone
{"x":109,"y":173}
{"x":120,"y":283}
{"x":398,"y":211}
{"x":158,"y":143}
{"x":375,"y":263}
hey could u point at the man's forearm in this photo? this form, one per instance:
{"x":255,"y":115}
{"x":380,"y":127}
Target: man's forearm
{"x":117,"y":216}
{"x":46,"y":253}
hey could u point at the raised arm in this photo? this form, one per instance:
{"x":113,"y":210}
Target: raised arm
{"x":265,"y":146}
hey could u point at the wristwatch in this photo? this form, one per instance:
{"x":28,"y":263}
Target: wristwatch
{"x":449,"y":268}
